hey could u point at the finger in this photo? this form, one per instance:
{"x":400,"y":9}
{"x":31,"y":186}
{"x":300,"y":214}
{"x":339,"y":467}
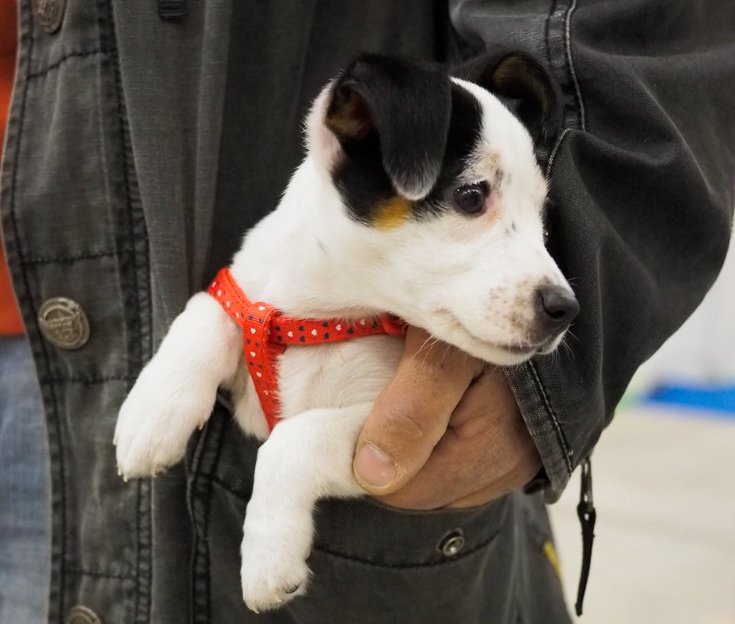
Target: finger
{"x":476,"y":499}
{"x":486,"y":452}
{"x":438,"y":483}
{"x":411,"y":414}
{"x":488,"y":395}
{"x":461,"y":462}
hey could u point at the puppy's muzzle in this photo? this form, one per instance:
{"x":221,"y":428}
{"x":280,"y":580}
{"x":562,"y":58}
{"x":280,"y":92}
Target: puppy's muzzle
{"x":556,"y":308}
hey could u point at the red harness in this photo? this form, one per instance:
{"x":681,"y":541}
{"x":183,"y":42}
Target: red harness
{"x":266,"y":332}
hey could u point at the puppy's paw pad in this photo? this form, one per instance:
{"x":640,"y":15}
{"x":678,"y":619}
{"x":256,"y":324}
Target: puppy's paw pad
{"x":269,"y":584}
{"x":155,"y":423}
{"x":147,"y":449}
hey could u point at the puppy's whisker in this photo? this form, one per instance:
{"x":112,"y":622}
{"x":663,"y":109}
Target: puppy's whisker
{"x":426,"y":348}
{"x":447,"y":350}
{"x":565,"y":345}
{"x":423,"y":345}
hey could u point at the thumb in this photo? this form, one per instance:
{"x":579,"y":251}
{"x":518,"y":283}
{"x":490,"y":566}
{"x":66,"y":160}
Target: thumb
{"x":411,"y":414}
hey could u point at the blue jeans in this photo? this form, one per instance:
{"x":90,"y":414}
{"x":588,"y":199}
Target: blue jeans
{"x":25,"y":513}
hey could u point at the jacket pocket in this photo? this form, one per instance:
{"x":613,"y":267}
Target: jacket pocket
{"x":370,"y":563}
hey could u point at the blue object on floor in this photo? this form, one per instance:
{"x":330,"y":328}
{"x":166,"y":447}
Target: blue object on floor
{"x":718,"y":399}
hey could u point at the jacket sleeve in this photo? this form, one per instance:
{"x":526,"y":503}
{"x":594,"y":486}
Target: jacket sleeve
{"x":641,"y":190}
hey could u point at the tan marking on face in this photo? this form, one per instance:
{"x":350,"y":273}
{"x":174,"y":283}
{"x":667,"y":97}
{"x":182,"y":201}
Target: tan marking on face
{"x":391,"y":213}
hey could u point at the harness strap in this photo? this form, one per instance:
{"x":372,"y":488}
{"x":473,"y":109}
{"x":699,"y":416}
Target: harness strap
{"x":267,"y":332}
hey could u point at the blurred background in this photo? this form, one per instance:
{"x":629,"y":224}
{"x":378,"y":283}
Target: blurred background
{"x":664,"y":484}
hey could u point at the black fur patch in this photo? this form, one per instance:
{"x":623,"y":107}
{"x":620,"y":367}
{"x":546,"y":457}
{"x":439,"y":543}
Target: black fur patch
{"x":361,"y":177}
{"x":522,"y":83}
{"x":381,"y":94}
{"x":465,"y":129}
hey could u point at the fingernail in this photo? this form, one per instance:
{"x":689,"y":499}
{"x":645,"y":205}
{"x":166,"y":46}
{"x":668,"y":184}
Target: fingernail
{"x":373,"y":467}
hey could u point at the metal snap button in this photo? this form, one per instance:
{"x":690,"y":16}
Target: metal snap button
{"x":63,"y":323}
{"x":452,"y":543}
{"x":49,"y":13}
{"x":81,"y":615}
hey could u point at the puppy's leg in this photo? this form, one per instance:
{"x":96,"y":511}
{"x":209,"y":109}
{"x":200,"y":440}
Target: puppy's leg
{"x":176,"y":390}
{"x":305,"y":458}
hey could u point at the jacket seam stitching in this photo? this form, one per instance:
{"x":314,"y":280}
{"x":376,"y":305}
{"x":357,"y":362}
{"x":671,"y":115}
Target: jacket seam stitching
{"x":570,"y":62}
{"x":207,"y":524}
{"x":56,"y":64}
{"x":99,"y":573}
{"x":107,"y":29}
{"x":555,"y":421}
{"x":91,"y":380}
{"x":531,"y":367}
{"x":363,"y":560}
{"x":552,"y":156}
{"x":215,"y":463}
{"x":426,"y":564}
{"x":547,"y":23}
{"x":138,"y":503}
{"x":200,"y":545}
{"x":94,"y":255}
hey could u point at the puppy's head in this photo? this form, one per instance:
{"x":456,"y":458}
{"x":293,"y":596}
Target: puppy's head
{"x":437,"y":178}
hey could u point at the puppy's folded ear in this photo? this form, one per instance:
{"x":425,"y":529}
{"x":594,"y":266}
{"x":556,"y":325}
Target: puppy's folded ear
{"x":523,"y":85}
{"x":406,"y":106}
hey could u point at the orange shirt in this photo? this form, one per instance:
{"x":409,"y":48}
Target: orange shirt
{"x":10,"y":321}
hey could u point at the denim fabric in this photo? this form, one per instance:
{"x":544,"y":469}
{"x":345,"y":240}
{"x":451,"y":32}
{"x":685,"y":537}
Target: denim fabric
{"x":25,"y":511}
{"x":139,"y":149}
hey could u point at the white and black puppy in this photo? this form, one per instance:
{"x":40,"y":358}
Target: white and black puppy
{"x":419,"y":196}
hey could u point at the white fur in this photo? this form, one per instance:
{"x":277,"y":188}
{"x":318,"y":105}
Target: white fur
{"x":470,"y":282}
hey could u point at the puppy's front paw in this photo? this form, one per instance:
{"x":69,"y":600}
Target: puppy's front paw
{"x":158,"y":417}
{"x":274,"y":566}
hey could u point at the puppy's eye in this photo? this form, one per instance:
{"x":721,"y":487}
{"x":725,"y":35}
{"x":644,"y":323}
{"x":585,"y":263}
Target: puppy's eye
{"x":470,"y":198}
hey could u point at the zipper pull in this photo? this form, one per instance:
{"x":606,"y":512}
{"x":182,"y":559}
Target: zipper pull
{"x":587,"y":516}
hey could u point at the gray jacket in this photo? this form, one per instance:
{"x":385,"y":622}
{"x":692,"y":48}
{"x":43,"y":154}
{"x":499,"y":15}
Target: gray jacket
{"x":145,"y":137}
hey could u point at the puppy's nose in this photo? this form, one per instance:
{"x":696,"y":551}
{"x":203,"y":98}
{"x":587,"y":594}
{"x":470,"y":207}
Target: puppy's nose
{"x":557,"y":307}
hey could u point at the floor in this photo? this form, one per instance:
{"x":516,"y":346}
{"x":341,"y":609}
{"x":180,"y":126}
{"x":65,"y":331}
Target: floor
{"x":664,"y":489}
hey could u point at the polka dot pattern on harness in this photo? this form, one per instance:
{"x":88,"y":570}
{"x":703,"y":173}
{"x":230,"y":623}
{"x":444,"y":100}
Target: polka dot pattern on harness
{"x":266,"y":332}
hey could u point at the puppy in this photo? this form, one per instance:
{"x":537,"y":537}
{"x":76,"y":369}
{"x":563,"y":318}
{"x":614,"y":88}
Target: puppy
{"x":419,"y":196}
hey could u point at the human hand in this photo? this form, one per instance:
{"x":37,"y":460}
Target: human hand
{"x":445,"y":432}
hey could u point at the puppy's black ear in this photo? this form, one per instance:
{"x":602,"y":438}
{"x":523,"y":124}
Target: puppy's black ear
{"x":525,"y":87}
{"x":406,"y":105}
